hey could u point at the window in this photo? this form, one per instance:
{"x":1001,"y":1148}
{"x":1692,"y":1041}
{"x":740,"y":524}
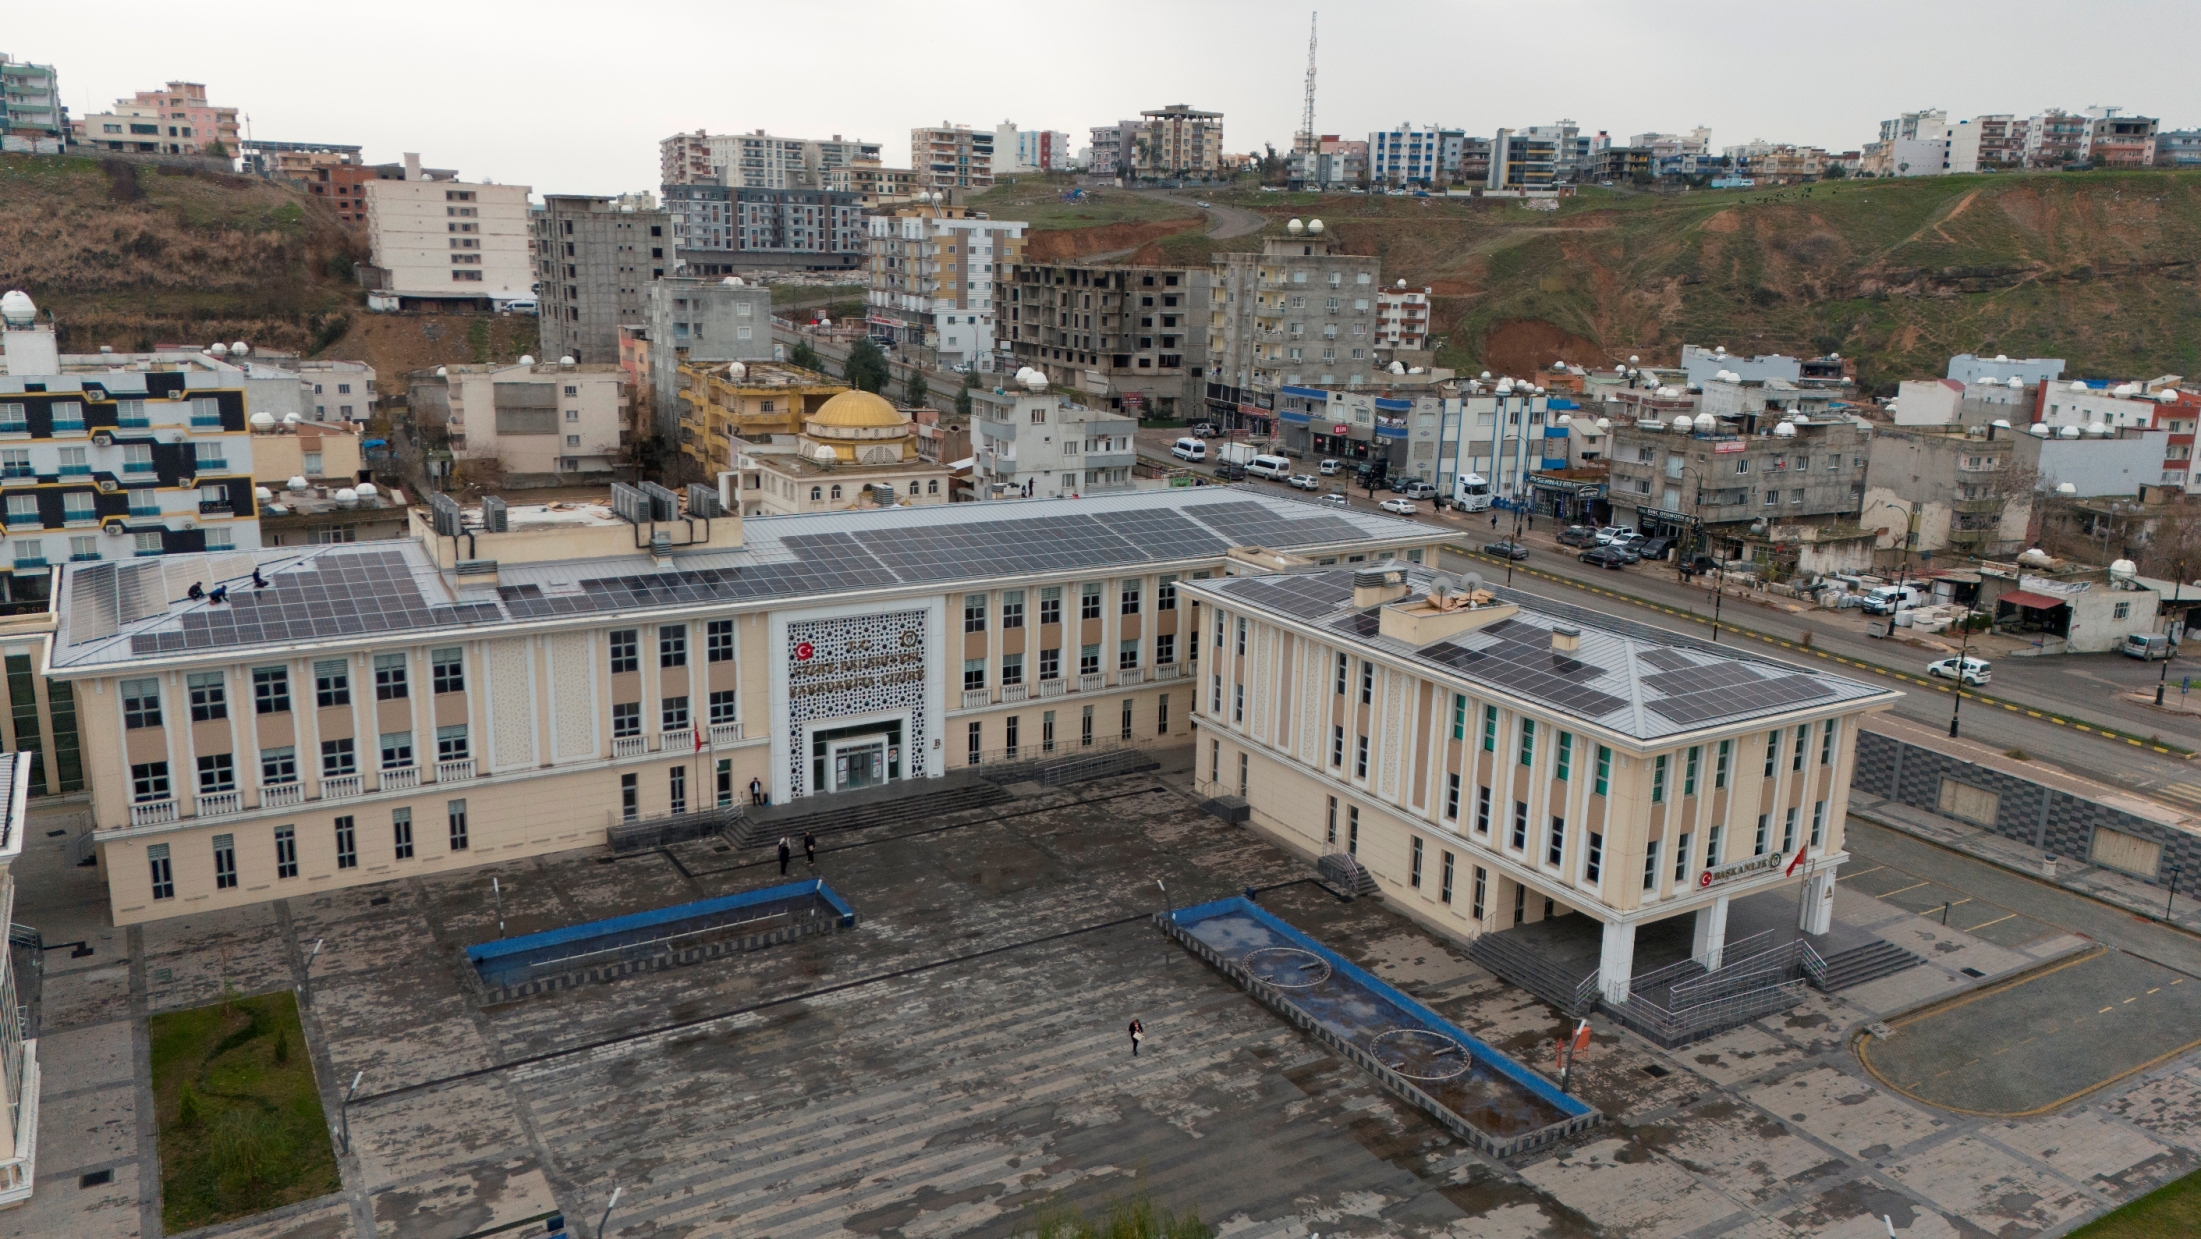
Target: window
{"x":1788,"y":832}
{"x":1604,"y":769}
{"x":208,"y":699}
{"x":1555,"y":843}
{"x":1050,"y":664}
{"x":723,"y":707}
{"x":1161,"y":717}
{"x":447,"y":671}
{"x":1165,"y":649}
{"x":397,"y":750}
{"x":347,"y":844}
{"x":1490,"y":729}
{"x":217,"y":773}
{"x":974,"y":674}
{"x":1681,"y":860}
{"x":451,"y":743}
{"x":1337,"y":745}
{"x":1481,"y":889}
{"x":1241,"y":635}
{"x":626,"y":650}
{"x":332,"y":682}
{"x":1593,"y":859}
{"x":1237,"y":703}
{"x":1129,"y":601}
{"x":1352,"y":830}
{"x":1520,"y":825}
{"x":1329,"y":832}
{"x":1012,"y":609}
{"x":1452,"y":798}
{"x":1826,"y":742}
{"x":1712,"y":846}
{"x":389,"y":677}
{"x":1803,"y":737}
{"x":1459,"y":717}
{"x":672,"y":645}
{"x":225,"y":862}
{"x":1165,"y":594}
{"x":1563,"y":766}
{"x":278,"y":766}
{"x":271,"y":690}
{"x":1658,"y":779}
{"x":672,"y":714}
{"x":286,"y":851}
{"x":1341,"y":665}
{"x":141,"y":703}
{"x":1482,"y":810}
{"x":1413,"y":872}
{"x":401,"y":833}
{"x":1123,"y":731}
{"x":1050,"y":604}
{"x":338,"y":759}
{"x":1089,"y":602}
{"x":164,"y":876}
{"x":1650,"y":866}
{"x":1772,"y":751}
{"x":455,"y":813}
{"x":718,"y":641}
{"x":974,"y":613}
{"x":1360,"y":759}
{"x":1758,"y":848}
{"x":1719,"y":768}
{"x":1127,"y":655}
{"x":1818,"y":822}
{"x":1689,"y":771}
{"x":1089,"y":659}
{"x":626,"y":719}
{"x":1367,"y":676}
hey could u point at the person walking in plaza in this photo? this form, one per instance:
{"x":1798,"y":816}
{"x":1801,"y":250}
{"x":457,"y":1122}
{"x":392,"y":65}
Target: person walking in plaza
{"x":756,"y":791}
{"x":787,"y":853}
{"x":810,"y":848}
{"x":1138,"y":1034}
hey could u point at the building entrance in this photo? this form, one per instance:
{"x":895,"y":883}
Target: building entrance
{"x":843,"y":759}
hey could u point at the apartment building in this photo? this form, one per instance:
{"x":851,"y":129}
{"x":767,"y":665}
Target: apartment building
{"x":1030,"y":150}
{"x":323,"y":453}
{"x":874,"y":185}
{"x":2055,"y":138}
{"x":547,"y":424}
{"x":594,"y":260}
{"x":931,"y":276}
{"x":1178,"y":141}
{"x":1112,"y":147}
{"x":1031,"y":442}
{"x":2115,"y":140}
{"x":177,"y":120}
{"x":725,"y":407}
{"x":758,"y":160}
{"x":2178,"y":148}
{"x":1492,"y":759}
{"x":718,"y":230}
{"x":1131,"y":339}
{"x":335,"y":390}
{"x":951,"y":156}
{"x":1297,"y":313}
{"x":294,"y":161}
{"x":1522,"y":161}
{"x":1402,"y":320}
{"x":1752,"y":461}
{"x":447,"y":242}
{"x":1573,"y":153}
{"x":693,"y":321}
{"x":31,"y":111}
{"x":421,"y":717}
{"x":1425,"y":155}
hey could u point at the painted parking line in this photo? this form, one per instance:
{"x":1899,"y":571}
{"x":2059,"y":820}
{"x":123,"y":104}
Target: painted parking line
{"x":1973,"y":929}
{"x":2106,"y":733}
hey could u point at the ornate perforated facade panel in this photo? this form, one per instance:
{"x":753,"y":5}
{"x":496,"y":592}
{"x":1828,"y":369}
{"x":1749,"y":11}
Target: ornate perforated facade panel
{"x":851,"y":667}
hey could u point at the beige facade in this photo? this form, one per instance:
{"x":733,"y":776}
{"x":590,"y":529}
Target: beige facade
{"x":544,"y":423}
{"x":19,"y":1073}
{"x":450,"y":239}
{"x":931,"y":275}
{"x":724,"y":401}
{"x":951,"y":156}
{"x":315,"y":451}
{"x":1297,"y":313}
{"x":1178,"y":141}
{"x":856,"y":450}
{"x":261,"y":765}
{"x":1477,"y":806}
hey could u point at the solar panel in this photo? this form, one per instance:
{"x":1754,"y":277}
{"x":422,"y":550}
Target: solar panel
{"x":140,"y":591}
{"x":1529,"y":666}
{"x":1299,"y":595}
{"x":93,"y":611}
{"x":1742,"y":699}
{"x":1695,"y":679}
{"x":1667,"y":660}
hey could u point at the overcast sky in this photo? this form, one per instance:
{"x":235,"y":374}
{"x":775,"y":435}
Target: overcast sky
{"x":572,"y":97}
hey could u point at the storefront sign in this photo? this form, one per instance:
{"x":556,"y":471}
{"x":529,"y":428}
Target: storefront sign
{"x":1341,"y":429}
{"x":1669,"y":516}
{"x":1739,"y":869}
{"x":1728,"y":445}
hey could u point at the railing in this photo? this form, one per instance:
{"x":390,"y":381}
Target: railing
{"x":400,"y":778}
{"x":342,"y":786}
{"x":456,"y":770}
{"x":1168,"y":671}
{"x":1013,"y":693}
{"x":726,"y":733}
{"x":1131,"y":675}
{"x":976,"y":697}
{"x":629,"y":746}
{"x":153,"y":812}
{"x":1091,"y":683}
{"x":218,"y":804}
{"x":1053,"y":688}
{"x":677,"y":740}
{"x":281,"y":795}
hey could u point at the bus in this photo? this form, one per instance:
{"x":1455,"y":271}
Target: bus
{"x":1470,"y":493}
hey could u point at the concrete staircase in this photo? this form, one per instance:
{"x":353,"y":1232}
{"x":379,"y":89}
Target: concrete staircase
{"x":1506,"y":957}
{"x":1345,"y":873}
{"x":1859,"y":964}
{"x":761,"y":827}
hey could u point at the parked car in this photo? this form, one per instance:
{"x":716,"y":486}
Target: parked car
{"x":1654,"y":548}
{"x":1304,"y":481}
{"x":1604,"y":557}
{"x":1975,"y":671}
{"x":1417,"y":489}
{"x":1696,"y":564}
{"x":2148,"y":645}
{"x":1627,"y":552}
{"x":1189,"y":449}
{"x":1403,"y":507}
{"x":1578,"y":535}
{"x":1331,"y":466}
{"x":1274,"y":468}
{"x":1203,"y":430}
{"x":1610,"y":533}
{"x":1230,"y":471}
{"x":1506,"y":550}
{"x":1335,"y":499}
{"x":1398,"y":482}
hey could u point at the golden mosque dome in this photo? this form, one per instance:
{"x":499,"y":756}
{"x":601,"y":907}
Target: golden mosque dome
{"x":858,"y":410}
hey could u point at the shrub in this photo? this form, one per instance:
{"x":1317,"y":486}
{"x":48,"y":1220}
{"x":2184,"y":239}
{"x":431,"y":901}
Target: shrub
{"x":249,"y":1149}
{"x":187,"y":1108}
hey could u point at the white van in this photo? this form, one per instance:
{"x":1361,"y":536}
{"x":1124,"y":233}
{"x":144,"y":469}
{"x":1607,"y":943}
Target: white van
{"x":1271,"y":467}
{"x":1189,"y":449}
{"x":1888,"y":599}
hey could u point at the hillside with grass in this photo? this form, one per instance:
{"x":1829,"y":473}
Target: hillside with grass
{"x":2098,"y":268}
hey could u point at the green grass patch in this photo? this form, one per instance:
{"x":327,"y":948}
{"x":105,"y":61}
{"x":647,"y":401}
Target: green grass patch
{"x":1137,"y":1217}
{"x":1037,"y":200}
{"x":240,"y":1119}
{"x":2171,"y":1210}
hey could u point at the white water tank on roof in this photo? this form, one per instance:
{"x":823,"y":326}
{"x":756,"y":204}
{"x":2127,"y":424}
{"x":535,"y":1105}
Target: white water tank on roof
{"x":2123,"y":569}
{"x":737,"y":371}
{"x":292,"y":419}
{"x":527,"y":359}
{"x":217,"y":349}
{"x":347,"y":498}
{"x":1294,"y":227}
{"x":2097,"y":430}
{"x":1706,"y":422}
{"x":1314,"y":227}
{"x":262,"y":493}
{"x":2039,"y":430}
{"x":2067,"y":432}
{"x":367,"y":488}
{"x":17,"y":309}
{"x":298,"y":483}
{"x":2016,"y":383}
{"x":1786,"y":430}
{"x":240,"y":349}
{"x":566,"y":360}
{"x":263,"y":421}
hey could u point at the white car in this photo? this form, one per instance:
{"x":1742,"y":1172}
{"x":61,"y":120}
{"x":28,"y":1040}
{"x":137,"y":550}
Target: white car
{"x":1304,"y":481}
{"x":1618,"y":533}
{"x":1404,"y":507}
{"x":1975,"y":673}
{"x":1331,"y":466}
{"x":1335,"y":500}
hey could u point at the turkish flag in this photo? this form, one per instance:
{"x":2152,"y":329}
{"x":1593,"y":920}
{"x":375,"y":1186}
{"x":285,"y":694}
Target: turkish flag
{"x":1799,"y":860}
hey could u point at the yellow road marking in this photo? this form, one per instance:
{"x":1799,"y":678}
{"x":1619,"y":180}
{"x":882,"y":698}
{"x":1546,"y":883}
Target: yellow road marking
{"x":2105,"y":1009}
{"x":1912,"y":887}
{"x":1984,"y":924}
{"x":2134,"y":998}
{"x":2157,"y":990}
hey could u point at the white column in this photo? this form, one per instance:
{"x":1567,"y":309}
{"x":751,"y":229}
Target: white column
{"x":1711,"y":934}
{"x":1818,"y":902}
{"x":1616,"y":962}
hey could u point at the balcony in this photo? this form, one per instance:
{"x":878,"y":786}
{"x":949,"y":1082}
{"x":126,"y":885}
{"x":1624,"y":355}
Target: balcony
{"x":1013,"y":693}
{"x":342,"y":786}
{"x":29,"y":563}
{"x":456,"y":770}
{"x":153,"y":812}
{"x":128,"y":422}
{"x":677,"y":740}
{"x":629,"y":746}
{"x":1169,"y":671}
{"x":976,"y":697}
{"x":24,"y":520}
{"x":725,"y":733}
{"x":1131,"y":675}
{"x":211,"y":464}
{"x":1092,"y":683}
{"x":137,"y":466}
{"x":282,"y":795}
{"x":220,"y":804}
{"x":1053,"y":688}
{"x":400,"y":778}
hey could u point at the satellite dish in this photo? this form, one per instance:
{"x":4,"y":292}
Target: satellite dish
{"x":1786,"y":430}
{"x":1705,"y":421}
{"x":1402,"y":283}
{"x":262,"y":492}
{"x":1472,"y":582}
{"x":2016,"y":383}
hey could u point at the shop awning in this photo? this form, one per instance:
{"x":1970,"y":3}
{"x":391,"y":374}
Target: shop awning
{"x":2030,"y":601}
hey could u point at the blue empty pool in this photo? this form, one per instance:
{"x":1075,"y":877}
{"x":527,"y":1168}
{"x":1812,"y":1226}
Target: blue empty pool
{"x":510,"y":960}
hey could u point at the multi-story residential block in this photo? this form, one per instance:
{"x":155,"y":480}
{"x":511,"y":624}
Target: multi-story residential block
{"x":1492,"y":760}
{"x":1624,"y":163}
{"x":447,"y":242}
{"x":31,"y":111}
{"x":1995,"y":140}
{"x":2115,"y":140}
{"x":1474,"y":161}
{"x":1423,"y":155}
{"x":1776,"y":162}
{"x":594,"y":260}
{"x":932,"y":278}
{"x":1030,"y":150}
{"x":294,"y":161}
{"x":1574,"y":154}
{"x":693,"y":321}
{"x":1950,"y":487}
{"x":1402,"y":320}
{"x":545,"y":424}
{"x":2055,"y":138}
{"x":718,"y":230}
{"x":335,"y":390}
{"x":758,"y":160}
{"x":174,"y":121}
{"x":951,"y":156}
{"x":1030,"y":442}
{"x":1676,"y":154}
{"x":1130,"y":339}
{"x":1297,"y":313}
{"x":1522,"y":161}
{"x":2178,"y":148}
{"x":874,"y":185}
{"x":381,"y":737}
{"x":1751,"y":455}
{"x":105,"y":464}
{"x":1177,"y":141}
{"x":727,"y":406}
{"x":1112,"y":147}
{"x":323,"y":453}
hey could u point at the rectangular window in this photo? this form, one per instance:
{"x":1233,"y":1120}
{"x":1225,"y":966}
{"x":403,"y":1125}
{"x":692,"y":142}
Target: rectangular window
{"x":1012,"y":609}
{"x":1413,"y":870}
{"x":1050,"y":604}
{"x":672,"y":714}
{"x":1241,"y":636}
{"x":1237,"y":703}
{"x":1161,"y":717}
{"x":1050,"y":664}
{"x":1123,"y":731}
{"x":1459,"y":717}
{"x":1360,"y":758}
{"x":1481,"y":893}
{"x":1341,"y":666}
{"x":1089,"y":659}
{"x":1520,"y":825}
{"x":725,"y":782}
{"x":1528,"y":741}
{"x":718,"y":641}
{"x":626,"y":719}
{"x":209,"y":700}
{"x":1352,"y":830}
{"x":217,"y":773}
{"x":1604,"y":770}
{"x":1490,"y":729}
{"x":1658,"y":779}
{"x":271,"y":690}
{"x":278,"y":766}
{"x":397,"y":750}
{"x":332,"y":682}
{"x":974,"y":744}
{"x":1712,"y":846}
{"x":1482,"y":810}
{"x":1650,"y":866}
{"x":1337,"y":745}
{"x":1772,"y":751}
{"x":630,"y":797}
{"x":1555,"y":843}
{"x":401,"y":833}
{"x":389,"y":677}
{"x":974,"y":674}
{"x":1127,"y":655}
{"x":164,"y":875}
{"x":1165,"y":649}
{"x":286,"y":851}
{"x":676,"y":790}
{"x":724,"y":707}
{"x":974,"y":613}
{"x":626,"y":652}
{"x":1329,"y":832}
{"x":672,"y":645}
{"x":1452,"y":798}
{"x":1130,"y":598}
{"x":451,"y":743}
{"x":338,"y":759}
{"x":1563,"y":766}
{"x":347,"y":844}
{"x":1826,"y":742}
{"x":1765,"y":821}
{"x":225,"y":862}
{"x":447,"y":670}
{"x":1689,"y":771}
{"x":1165,"y":594}
{"x":1367,"y":682}
{"x":140,"y":703}
{"x":1818,"y":822}
{"x":1788,"y":832}
{"x":1803,"y":738}
{"x":1089,"y":604}
{"x":1719,"y":767}
{"x":1681,"y":860}
{"x":1593,"y":860}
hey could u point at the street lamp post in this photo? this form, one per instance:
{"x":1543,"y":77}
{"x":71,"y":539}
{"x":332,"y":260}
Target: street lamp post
{"x":605,"y":1220}
{"x":344,"y":1109}
{"x":2163,"y":681}
{"x":1956,"y":700}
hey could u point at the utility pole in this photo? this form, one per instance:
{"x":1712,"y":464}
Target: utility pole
{"x":2176,"y":585}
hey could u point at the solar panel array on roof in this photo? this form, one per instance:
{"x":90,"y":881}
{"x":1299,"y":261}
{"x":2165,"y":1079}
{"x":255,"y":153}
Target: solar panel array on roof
{"x":1247,"y":523}
{"x":1695,"y":679}
{"x":1359,"y":623}
{"x":96,"y":612}
{"x":1521,"y":659}
{"x":1301,"y":596}
{"x":1667,"y":660}
{"x":1740,"y":699}
{"x":332,"y":595}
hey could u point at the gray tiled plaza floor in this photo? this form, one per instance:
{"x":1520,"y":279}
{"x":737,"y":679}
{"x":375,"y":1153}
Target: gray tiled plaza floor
{"x":960,"y":1059}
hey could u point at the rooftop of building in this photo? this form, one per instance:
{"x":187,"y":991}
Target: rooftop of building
{"x":125,"y":612}
{"x":760,"y":374}
{"x":1642,"y":682}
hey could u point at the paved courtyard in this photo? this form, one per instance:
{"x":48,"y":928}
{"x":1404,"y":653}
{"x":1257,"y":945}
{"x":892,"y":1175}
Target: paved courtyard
{"x":960,"y":1058}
